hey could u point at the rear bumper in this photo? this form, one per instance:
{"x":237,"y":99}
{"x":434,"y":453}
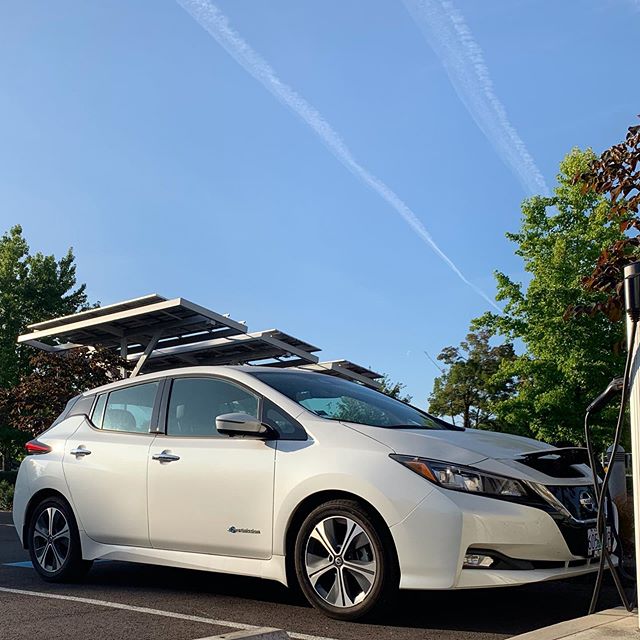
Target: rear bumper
{"x":20,"y":501}
{"x":434,"y":538}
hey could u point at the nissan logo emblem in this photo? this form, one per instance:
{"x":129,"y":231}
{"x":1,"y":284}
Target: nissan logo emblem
{"x":587,"y":501}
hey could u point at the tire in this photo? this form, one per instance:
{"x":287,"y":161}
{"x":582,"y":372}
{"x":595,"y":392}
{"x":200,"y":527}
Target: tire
{"x":54,"y":542}
{"x":345,"y":561}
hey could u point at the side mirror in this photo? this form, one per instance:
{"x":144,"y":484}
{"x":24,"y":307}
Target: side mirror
{"x":242,"y":424}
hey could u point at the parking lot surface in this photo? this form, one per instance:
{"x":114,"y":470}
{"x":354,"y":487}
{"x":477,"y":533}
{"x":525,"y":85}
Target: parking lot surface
{"x":120,"y":600}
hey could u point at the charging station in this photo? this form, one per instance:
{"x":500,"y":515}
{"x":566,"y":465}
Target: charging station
{"x":632,"y":307}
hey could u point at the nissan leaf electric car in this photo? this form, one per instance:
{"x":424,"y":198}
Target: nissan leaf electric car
{"x":303,"y":478}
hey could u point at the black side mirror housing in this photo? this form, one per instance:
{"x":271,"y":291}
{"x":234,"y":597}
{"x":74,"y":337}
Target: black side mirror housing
{"x":242,"y":424}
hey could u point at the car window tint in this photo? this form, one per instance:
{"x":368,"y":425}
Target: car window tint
{"x":195,"y":403}
{"x":82,"y":406}
{"x":287,"y":427}
{"x":130,"y":409}
{"x":98,"y":410}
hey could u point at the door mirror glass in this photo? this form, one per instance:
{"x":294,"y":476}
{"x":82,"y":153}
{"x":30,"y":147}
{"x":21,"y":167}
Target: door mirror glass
{"x":242,"y":424}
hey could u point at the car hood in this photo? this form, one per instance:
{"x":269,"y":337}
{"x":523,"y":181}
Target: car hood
{"x":463,"y":447}
{"x":488,"y":450}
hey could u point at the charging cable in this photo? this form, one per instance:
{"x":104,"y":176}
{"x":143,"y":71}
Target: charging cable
{"x":603,"y":498}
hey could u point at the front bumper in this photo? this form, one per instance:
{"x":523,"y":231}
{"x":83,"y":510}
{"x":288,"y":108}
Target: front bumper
{"x":434,"y":538}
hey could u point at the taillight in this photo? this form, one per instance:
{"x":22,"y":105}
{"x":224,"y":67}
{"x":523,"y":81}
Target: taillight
{"x":36,"y":447}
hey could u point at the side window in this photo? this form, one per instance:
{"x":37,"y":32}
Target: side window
{"x":130,"y":409}
{"x":82,"y":406}
{"x":98,"y":410}
{"x":195,"y":403}
{"x":285,"y":425}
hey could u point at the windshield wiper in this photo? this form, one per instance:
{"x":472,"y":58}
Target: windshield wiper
{"x":443,"y":426}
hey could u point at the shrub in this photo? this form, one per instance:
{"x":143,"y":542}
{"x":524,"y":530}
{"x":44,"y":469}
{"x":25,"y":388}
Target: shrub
{"x":6,"y":495}
{"x":9,"y":476}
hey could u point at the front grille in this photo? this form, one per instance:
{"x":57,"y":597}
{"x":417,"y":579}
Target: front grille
{"x":580,"y":502}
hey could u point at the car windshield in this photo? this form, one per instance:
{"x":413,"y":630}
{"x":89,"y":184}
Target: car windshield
{"x":337,"y":399}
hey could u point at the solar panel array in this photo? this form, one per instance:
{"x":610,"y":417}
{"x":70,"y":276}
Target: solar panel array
{"x":156,"y":333}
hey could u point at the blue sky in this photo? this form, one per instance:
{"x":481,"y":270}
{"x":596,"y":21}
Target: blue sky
{"x":130,"y":133}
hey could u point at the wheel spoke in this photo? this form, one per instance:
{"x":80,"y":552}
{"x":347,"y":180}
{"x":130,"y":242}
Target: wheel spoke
{"x":51,"y":512}
{"x":63,"y":533}
{"x":334,"y":595}
{"x":364,"y":580}
{"x":347,"y":601}
{"x":315,"y":577}
{"x":43,"y":554}
{"x":319,"y":535}
{"x":354,"y":530}
{"x":366,"y":567}
{"x":58,"y":560}
{"x":315,"y":564}
{"x":40,"y":530}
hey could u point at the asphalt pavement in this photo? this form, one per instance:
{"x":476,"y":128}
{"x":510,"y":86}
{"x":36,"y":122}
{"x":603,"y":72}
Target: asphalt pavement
{"x":120,"y":600}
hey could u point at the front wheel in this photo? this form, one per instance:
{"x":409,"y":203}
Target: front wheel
{"x":344,"y":560}
{"x":54,"y":542}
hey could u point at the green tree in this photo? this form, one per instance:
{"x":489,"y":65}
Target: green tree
{"x":41,"y":395}
{"x":394,"y":389}
{"x":471,"y":385}
{"x":33,"y":287}
{"x":569,"y":358}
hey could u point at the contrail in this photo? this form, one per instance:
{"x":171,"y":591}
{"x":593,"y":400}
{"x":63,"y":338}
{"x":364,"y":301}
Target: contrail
{"x":450,"y":37}
{"x":217,"y":24}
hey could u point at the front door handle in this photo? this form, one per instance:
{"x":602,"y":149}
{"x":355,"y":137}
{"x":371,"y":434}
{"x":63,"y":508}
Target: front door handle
{"x":165,"y":456}
{"x":80,"y":452}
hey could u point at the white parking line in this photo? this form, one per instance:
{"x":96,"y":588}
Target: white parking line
{"x":154,"y":612}
{"x":3,"y":524}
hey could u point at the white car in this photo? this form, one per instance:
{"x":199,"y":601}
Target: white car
{"x":298,"y":477}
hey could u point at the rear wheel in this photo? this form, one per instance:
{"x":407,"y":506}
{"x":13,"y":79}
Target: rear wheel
{"x":344,"y":560}
{"x":54,"y":542}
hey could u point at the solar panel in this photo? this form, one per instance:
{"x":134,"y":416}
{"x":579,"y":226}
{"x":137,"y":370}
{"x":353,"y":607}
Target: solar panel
{"x":258,"y":347}
{"x":348,"y":370}
{"x":95,"y":312}
{"x":156,"y":333}
{"x":133,"y":323}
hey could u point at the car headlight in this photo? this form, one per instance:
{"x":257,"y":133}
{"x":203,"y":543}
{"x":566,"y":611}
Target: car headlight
{"x":460,"y":478}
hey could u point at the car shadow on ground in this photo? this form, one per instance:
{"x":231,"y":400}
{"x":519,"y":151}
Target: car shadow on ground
{"x":501,"y":611}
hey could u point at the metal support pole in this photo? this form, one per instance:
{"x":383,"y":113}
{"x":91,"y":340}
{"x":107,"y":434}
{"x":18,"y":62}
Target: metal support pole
{"x":123,"y":354}
{"x":151,"y":345}
{"x":634,"y":407}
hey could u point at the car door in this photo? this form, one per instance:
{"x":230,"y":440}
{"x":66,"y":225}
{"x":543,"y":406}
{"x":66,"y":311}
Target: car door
{"x":105,"y":465}
{"x":210,"y":493}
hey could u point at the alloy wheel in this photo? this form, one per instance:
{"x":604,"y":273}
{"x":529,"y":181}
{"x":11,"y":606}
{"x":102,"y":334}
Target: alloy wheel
{"x":340,"y":561}
{"x":51,"y":539}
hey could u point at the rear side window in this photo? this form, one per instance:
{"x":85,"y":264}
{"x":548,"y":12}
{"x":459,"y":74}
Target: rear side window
{"x":195,"y":403}
{"x":98,"y":410}
{"x":82,"y":406}
{"x":128,"y":409}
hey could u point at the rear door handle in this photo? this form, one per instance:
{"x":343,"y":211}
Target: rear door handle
{"x":165,"y":456}
{"x":80,"y":451}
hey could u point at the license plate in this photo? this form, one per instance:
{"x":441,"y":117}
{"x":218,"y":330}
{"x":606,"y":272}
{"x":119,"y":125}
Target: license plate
{"x":594,"y":544}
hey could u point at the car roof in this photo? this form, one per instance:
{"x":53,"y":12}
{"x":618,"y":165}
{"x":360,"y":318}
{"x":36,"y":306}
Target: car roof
{"x":204,"y":370}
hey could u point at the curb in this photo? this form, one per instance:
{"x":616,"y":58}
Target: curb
{"x":618,"y":623}
{"x":264,"y":633}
